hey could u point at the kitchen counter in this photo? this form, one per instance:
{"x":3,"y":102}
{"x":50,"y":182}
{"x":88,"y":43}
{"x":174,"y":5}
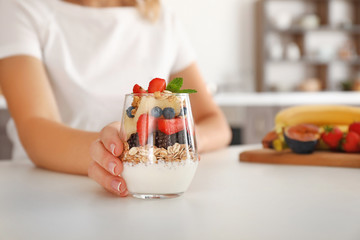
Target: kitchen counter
{"x":228,"y":199}
{"x":286,"y":99}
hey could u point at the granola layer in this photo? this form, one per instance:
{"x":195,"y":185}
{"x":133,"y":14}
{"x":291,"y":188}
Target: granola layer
{"x":152,"y":154}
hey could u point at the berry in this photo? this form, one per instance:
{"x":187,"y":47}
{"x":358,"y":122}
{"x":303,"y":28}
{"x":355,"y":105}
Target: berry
{"x":138,"y":89}
{"x":183,"y":112}
{"x":171,"y":126}
{"x":156,"y":112}
{"x":332,"y":136}
{"x":351,"y":142}
{"x":181,"y":137}
{"x":355,"y":127}
{"x":128,"y":112}
{"x":145,"y":125}
{"x":163,"y":140}
{"x":157,"y":85}
{"x":133,"y":140}
{"x":169,"y":113}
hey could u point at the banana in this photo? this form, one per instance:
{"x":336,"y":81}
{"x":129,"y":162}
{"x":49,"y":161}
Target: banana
{"x":319,"y":115}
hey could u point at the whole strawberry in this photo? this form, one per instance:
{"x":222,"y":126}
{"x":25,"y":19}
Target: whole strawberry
{"x":332,"y":137}
{"x":355,"y":127}
{"x":351,"y":142}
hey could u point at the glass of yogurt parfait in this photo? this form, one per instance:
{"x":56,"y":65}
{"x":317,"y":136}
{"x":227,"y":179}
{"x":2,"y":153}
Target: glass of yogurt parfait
{"x":159,"y":157}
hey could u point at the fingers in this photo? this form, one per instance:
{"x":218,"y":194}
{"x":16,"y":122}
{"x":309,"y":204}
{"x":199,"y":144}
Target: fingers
{"x":107,"y":167}
{"x":105,"y":159}
{"x":111,"y":183}
{"x":110,"y":137}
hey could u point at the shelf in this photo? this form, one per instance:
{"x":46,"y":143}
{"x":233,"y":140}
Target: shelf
{"x":243,"y":99}
{"x":321,"y":69}
{"x":314,"y":62}
{"x":298,"y":30}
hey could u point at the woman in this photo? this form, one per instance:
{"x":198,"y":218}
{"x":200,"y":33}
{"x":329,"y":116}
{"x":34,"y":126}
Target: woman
{"x":65,"y":68}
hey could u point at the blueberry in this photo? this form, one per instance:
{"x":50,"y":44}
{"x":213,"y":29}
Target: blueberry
{"x":128,"y":111}
{"x":156,"y":112}
{"x":183,"y":111}
{"x":169,"y":113}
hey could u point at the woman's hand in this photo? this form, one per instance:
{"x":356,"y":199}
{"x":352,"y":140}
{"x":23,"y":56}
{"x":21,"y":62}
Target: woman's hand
{"x":106,"y":167}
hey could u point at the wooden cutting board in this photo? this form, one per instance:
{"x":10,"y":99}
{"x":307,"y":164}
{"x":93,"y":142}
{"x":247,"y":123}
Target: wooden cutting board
{"x":315,"y":159}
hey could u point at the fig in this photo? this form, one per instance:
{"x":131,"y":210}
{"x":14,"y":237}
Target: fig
{"x":302,"y":138}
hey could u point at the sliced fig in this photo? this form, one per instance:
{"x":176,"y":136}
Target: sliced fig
{"x":302,"y":138}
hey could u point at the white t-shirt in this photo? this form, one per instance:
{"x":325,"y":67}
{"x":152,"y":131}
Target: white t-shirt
{"x":93,"y":56}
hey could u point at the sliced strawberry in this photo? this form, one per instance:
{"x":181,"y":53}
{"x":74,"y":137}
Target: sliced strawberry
{"x":355,"y":127}
{"x":138,"y":89}
{"x":332,"y":137}
{"x":145,"y":125}
{"x":351,"y":142}
{"x":157,"y":85}
{"x":171,"y":126}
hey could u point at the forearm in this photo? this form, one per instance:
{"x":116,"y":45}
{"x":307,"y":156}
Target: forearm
{"x":212,"y":133}
{"x":56,"y":147}
{"x":212,"y":130}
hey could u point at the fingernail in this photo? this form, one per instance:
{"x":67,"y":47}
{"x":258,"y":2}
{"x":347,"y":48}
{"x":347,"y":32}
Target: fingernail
{"x":116,"y":184}
{"x":112,"y":148}
{"x":111,"y":167}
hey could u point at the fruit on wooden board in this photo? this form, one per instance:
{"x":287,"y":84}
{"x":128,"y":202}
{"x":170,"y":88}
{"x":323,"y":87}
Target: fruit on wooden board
{"x":323,"y":127}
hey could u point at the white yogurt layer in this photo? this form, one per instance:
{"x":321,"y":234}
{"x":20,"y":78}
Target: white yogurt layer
{"x":159,"y":178}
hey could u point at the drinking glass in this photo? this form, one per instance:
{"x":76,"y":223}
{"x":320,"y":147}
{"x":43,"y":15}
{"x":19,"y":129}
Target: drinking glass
{"x":159,"y":157}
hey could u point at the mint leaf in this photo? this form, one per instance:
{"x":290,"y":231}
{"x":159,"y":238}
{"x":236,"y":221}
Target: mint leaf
{"x":175,"y":85}
{"x":187,"y":91}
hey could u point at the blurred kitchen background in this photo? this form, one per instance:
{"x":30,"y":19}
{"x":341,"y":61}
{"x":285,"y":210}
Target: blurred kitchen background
{"x":260,"y":56}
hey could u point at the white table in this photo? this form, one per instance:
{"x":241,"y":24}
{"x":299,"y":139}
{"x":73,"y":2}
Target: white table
{"x":227,"y":200}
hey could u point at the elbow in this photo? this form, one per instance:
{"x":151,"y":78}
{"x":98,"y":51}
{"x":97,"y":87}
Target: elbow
{"x":224,"y":133}
{"x":224,"y":129}
{"x":35,"y":157}
{"x":32,"y":156}
{"x":29,"y":142}
{"x":35,"y":161}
